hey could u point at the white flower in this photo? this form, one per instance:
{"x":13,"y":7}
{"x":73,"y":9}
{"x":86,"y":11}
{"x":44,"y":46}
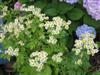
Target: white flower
{"x":52,"y":40}
{"x":12,"y":52}
{"x":38,"y":59}
{"x":21,"y":43}
{"x":86,"y":42}
{"x":78,"y":62}
{"x":57,"y":57}
{"x":58,"y":21}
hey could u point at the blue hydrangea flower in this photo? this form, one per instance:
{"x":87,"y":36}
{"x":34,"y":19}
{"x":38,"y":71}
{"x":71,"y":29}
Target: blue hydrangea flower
{"x":85,"y":29}
{"x":71,"y":1}
{"x":4,"y":60}
{"x":1,"y":21}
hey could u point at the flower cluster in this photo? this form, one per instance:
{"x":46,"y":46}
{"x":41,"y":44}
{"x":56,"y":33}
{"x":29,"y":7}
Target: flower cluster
{"x":21,"y":43}
{"x":54,"y":27}
{"x":18,"y":5}
{"x":78,"y":62}
{"x":86,"y":43}
{"x":70,"y":1}
{"x":11,"y":52}
{"x":3,"y":11}
{"x":14,"y":27}
{"x":57,"y":57}
{"x":35,"y":11}
{"x":93,"y":8}
{"x":85,"y":29}
{"x":52,"y":40}
{"x":38,"y":59}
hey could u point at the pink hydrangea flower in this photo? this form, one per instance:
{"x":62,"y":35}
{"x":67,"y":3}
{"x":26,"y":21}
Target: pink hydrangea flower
{"x":17,"y":5}
{"x":93,"y":8}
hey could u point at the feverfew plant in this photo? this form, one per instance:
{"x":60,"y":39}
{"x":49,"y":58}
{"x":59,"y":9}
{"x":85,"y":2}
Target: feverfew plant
{"x":34,"y":39}
{"x":85,"y":45}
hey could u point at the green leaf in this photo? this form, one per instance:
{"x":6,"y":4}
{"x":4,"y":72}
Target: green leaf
{"x":51,"y":12}
{"x":46,"y":71}
{"x":73,"y":27}
{"x":88,"y":20}
{"x":96,"y":73}
{"x":23,"y":1}
{"x":75,"y":14}
{"x":40,"y":4}
{"x":80,"y":1}
{"x":64,"y":7}
{"x":98,"y":43}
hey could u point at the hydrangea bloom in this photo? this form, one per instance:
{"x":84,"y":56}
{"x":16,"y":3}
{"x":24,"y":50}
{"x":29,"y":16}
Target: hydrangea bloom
{"x":85,"y":29}
{"x":71,"y":1}
{"x":3,"y":60}
{"x":93,"y":8}
{"x":17,"y":5}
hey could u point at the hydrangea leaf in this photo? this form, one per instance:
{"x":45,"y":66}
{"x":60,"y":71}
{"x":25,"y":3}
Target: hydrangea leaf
{"x":64,"y":7}
{"x":23,"y":1}
{"x":40,"y":4}
{"x":51,"y":12}
{"x":75,"y":14}
{"x":88,"y":20}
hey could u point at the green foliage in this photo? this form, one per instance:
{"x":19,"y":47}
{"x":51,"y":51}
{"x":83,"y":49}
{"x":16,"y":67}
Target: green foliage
{"x":88,"y":20}
{"x":40,"y":4}
{"x":27,"y":70}
{"x":75,"y":14}
{"x":51,"y":12}
{"x":64,"y":8}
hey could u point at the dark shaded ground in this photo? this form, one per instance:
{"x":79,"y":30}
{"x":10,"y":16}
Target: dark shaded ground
{"x":6,"y":69}
{"x":95,"y":60}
